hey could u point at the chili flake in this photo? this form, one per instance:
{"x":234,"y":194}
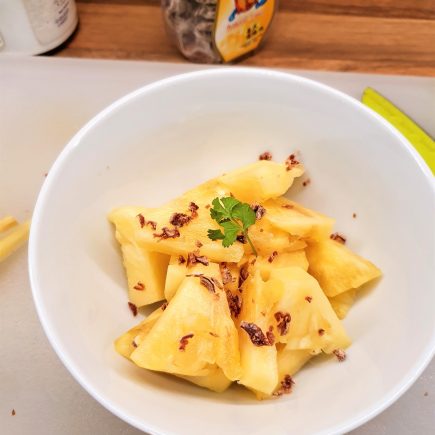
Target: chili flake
{"x":181,"y":259}
{"x":259,"y":211}
{"x":283,"y":319}
{"x":179,"y":219}
{"x":225,"y":272}
{"x":272,"y":256}
{"x":286,"y":386}
{"x":193,"y":258}
{"x":168,"y":233}
{"x":139,"y":286}
{"x":308,"y":299}
{"x":234,"y":304}
{"x":193,"y":208}
{"x":258,"y":338}
{"x":133,"y":308}
{"x":265,"y":156}
{"x":338,"y":238}
{"x":291,"y":162}
{"x":340,"y":354}
{"x":184,"y":341}
{"x":321,"y":331}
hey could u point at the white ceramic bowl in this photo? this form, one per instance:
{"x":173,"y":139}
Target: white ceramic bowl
{"x":164,"y":138}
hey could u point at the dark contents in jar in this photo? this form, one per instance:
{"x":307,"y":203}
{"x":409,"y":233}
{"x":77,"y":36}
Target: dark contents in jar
{"x":191,"y":22}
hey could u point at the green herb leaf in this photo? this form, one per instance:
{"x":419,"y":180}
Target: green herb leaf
{"x":245,"y":214}
{"x":234,"y":217}
{"x":215,"y":234}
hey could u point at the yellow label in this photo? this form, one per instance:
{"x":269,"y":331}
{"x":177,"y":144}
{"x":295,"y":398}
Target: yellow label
{"x":240,"y":26}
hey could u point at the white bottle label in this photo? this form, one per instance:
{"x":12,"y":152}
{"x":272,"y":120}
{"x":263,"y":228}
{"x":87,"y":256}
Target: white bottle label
{"x":50,"y":19}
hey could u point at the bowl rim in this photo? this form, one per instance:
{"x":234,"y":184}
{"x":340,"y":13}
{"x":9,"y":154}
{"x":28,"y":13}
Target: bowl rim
{"x":349,"y":424}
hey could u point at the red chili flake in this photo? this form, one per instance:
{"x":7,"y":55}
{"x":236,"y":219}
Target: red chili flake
{"x":234,"y":303}
{"x":208,"y":283}
{"x":179,"y":219}
{"x":184,"y":341}
{"x":241,"y":238}
{"x":164,"y":306}
{"x":152,"y":224}
{"x":168,"y":233}
{"x":270,"y":336}
{"x":286,"y":386}
{"x":139,"y":286}
{"x":181,"y":259}
{"x":291,"y":162}
{"x":133,"y":308}
{"x":142,"y":220}
{"x":272,"y":256}
{"x":253,"y":260}
{"x":207,"y":206}
{"x":306,"y":182}
{"x":283,"y":320}
{"x":13,"y":412}
{"x":354,"y":215}
{"x":321,"y":331}
{"x":308,"y":299}
{"x":265,"y":156}
{"x":243,"y":275}
{"x":213,"y":334}
{"x":198,"y":244}
{"x":133,"y":343}
{"x":193,"y":258}
{"x":288,"y":206}
{"x":259,"y":211}
{"x":193,"y":208}
{"x":258,"y":338}
{"x":338,"y":238}
{"x":340,"y":354}
{"x":225,"y":272}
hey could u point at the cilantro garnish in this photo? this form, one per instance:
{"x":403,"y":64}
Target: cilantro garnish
{"x":234,"y":217}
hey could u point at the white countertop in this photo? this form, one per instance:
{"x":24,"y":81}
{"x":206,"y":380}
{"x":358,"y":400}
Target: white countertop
{"x":43,"y":102}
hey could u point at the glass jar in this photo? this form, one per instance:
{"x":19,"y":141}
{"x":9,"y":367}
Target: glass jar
{"x":215,"y":31}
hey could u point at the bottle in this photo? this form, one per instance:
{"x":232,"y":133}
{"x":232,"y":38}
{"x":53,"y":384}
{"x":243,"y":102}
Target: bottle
{"x":216,"y":31}
{"x":35,"y":26}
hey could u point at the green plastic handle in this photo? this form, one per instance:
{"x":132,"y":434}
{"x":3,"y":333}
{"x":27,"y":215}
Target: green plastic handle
{"x":421,"y":141}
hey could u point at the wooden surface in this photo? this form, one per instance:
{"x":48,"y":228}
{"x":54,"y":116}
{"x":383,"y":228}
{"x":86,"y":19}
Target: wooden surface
{"x":382,"y":36}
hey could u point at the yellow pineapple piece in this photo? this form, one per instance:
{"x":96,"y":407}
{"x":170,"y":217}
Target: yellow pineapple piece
{"x":341,"y":303}
{"x":290,"y":361}
{"x":215,"y":380}
{"x":193,"y":335}
{"x":304,"y":318}
{"x":177,"y":271}
{"x":258,"y":361}
{"x":266,"y":238}
{"x":127,"y":342}
{"x":281,"y":259}
{"x":145,"y":270}
{"x":337,"y":268}
{"x":296,"y":220}
{"x":260,"y":181}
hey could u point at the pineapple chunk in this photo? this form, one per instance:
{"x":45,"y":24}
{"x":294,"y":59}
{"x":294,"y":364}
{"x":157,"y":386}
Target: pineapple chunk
{"x":314,"y":325}
{"x":290,"y":361}
{"x":337,"y":268}
{"x":260,"y":181}
{"x":145,"y":270}
{"x":297,"y":220}
{"x":215,"y":381}
{"x":124,"y":344}
{"x":259,"y":364}
{"x":194,"y":334}
{"x":284,"y":259}
{"x":177,"y":272}
{"x":341,"y":303}
{"x":266,"y":238}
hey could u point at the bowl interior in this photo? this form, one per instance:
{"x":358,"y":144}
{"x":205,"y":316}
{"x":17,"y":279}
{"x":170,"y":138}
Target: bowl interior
{"x":166,"y":138}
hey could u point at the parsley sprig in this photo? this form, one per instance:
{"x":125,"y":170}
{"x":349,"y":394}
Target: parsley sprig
{"x":234,"y":217}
